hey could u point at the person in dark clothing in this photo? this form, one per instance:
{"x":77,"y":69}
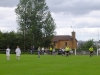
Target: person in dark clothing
{"x":31,"y":49}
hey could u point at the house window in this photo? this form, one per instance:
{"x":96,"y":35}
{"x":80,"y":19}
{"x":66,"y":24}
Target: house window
{"x":65,"y":43}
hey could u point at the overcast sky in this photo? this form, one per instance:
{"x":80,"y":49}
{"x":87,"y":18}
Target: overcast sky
{"x":82,"y":16}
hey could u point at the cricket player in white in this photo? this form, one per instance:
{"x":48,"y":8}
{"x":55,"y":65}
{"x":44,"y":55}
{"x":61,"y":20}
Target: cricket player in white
{"x":18,"y":52}
{"x":8,"y":53}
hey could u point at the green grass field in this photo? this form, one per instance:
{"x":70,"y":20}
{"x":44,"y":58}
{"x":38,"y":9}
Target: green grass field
{"x":50,"y":65}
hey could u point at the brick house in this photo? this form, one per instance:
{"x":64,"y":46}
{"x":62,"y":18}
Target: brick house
{"x":60,"y":41}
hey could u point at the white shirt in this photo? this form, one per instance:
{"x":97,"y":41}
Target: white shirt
{"x":39,"y":49}
{"x":53,"y":50}
{"x":18,"y":51}
{"x":43,"y":49}
{"x":7,"y":52}
{"x":63,"y":50}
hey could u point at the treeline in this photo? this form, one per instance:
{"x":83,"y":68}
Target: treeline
{"x":13,"y":39}
{"x":86,"y":45}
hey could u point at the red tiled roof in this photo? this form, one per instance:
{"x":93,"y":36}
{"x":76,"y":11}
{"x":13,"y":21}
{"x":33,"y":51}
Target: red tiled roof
{"x":61,"y":38}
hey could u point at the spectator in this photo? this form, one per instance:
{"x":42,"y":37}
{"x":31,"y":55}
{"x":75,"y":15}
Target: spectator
{"x":63,"y":51}
{"x":53,"y":52}
{"x":42,"y":50}
{"x":31,"y":50}
{"x":50,"y":50}
{"x":39,"y":51}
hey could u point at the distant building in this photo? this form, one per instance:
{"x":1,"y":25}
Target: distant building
{"x":97,"y":43}
{"x":60,"y":41}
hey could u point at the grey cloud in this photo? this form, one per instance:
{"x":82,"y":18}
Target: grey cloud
{"x":73,"y":6}
{"x":86,"y":25}
{"x":8,"y":3}
{"x":69,"y":6}
{"x":76,"y":7}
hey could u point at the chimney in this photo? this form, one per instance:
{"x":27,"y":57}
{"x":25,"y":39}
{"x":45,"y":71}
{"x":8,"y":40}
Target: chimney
{"x":73,"y":40}
{"x":73,"y":35}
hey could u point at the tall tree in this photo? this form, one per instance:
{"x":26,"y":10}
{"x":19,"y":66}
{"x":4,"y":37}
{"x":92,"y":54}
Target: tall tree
{"x":35,"y":20}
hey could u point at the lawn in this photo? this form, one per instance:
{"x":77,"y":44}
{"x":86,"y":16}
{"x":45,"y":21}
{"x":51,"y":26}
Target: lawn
{"x":50,"y":65}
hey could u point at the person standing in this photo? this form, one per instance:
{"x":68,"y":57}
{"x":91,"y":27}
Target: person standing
{"x":63,"y":51}
{"x":18,"y":52}
{"x":8,"y":53}
{"x":50,"y":50}
{"x":39,"y":51}
{"x":31,"y":50}
{"x":42,"y":50}
{"x":54,"y":52}
{"x":67,"y":49}
{"x":91,"y":51}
